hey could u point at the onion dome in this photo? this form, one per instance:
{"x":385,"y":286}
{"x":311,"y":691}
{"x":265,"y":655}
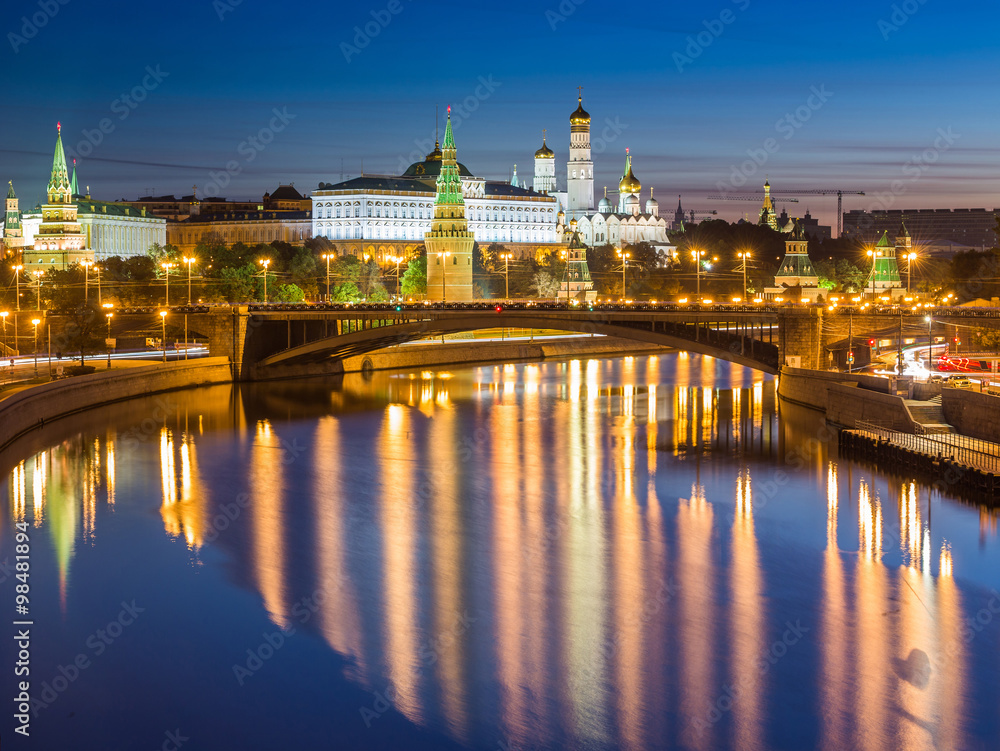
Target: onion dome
{"x":652,"y":205}
{"x":604,"y":205}
{"x":631,"y":205}
{"x":581,"y":116}
{"x":629,"y":183}
{"x":545,"y":152}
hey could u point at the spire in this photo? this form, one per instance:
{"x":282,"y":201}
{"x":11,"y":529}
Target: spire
{"x":60,"y":174}
{"x":449,"y":182}
{"x":513,"y":179}
{"x":74,"y":189}
{"x":10,"y":190}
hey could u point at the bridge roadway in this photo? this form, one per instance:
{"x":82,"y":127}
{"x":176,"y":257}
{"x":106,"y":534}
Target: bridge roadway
{"x":262,"y":338}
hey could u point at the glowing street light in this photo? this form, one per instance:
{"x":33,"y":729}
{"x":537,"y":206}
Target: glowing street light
{"x":624,"y":257}
{"x":506,"y":274}
{"x":86,"y":281}
{"x":107,"y":342}
{"x":744,"y":256}
{"x":188,"y":262}
{"x":696,"y":255}
{"x":443,"y":256}
{"x":396,"y":260}
{"x":17,"y":282}
{"x":3,"y":315}
{"x":35,"y":322}
{"x":163,"y":335}
{"x":166,"y":272}
{"x":328,"y":257}
{"x":909,"y":265}
{"x":265,"y":262}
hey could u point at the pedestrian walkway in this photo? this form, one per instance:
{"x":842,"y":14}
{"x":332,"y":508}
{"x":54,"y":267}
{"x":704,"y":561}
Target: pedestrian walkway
{"x":965,"y":450}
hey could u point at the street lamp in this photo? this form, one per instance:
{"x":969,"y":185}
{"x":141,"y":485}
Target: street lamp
{"x":166,"y":274}
{"x":443,"y":257}
{"x":38,"y":289}
{"x":624,"y":257}
{"x":909,"y":264}
{"x":17,"y":282}
{"x":35,"y":322}
{"x":3,"y":315}
{"x":327,"y":257}
{"x":86,"y":281}
{"x":930,"y":344}
{"x":506,"y":274}
{"x":107,"y":342}
{"x":188,"y":262}
{"x":265,"y":262}
{"x":396,"y":260}
{"x":696,"y":255}
{"x":163,"y":335}
{"x":744,"y":256}
{"x":873,"y":255}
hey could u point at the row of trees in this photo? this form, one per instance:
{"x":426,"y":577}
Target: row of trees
{"x":234,"y":273}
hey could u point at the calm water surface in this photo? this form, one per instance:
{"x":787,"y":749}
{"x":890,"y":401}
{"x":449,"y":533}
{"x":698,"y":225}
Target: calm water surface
{"x":598,"y":554}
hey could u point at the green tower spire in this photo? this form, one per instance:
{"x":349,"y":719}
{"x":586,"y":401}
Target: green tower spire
{"x":59,"y":182}
{"x":449,"y":182}
{"x":74,"y":189}
{"x":12,"y":221}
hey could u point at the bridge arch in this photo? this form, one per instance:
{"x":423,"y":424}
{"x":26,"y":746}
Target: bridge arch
{"x":733,"y":348}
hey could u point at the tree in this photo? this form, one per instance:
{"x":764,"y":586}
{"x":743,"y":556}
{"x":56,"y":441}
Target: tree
{"x":545,"y":284}
{"x":84,"y":332}
{"x":414,"y":279}
{"x":346,"y":292}
{"x":288,"y":293}
{"x":238,"y":283}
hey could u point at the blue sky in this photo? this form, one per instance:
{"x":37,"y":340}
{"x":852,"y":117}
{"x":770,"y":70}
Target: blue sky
{"x":890,"y":90}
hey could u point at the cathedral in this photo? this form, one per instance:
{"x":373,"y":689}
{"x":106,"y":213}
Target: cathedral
{"x":625,"y":221}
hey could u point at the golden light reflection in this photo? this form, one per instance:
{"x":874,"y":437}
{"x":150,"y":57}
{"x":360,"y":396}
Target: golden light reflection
{"x":185,"y":499}
{"x":340,"y":617}
{"x":747,"y":624}
{"x":38,"y":487}
{"x":696,"y":575}
{"x":267,"y":521}
{"x":399,"y":534}
{"x":18,"y":495}
{"x":836,"y":679}
{"x":111,"y":469}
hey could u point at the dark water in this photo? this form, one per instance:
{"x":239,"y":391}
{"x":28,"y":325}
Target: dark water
{"x":625,"y":553}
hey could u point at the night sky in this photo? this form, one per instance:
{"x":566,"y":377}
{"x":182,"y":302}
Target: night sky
{"x":889,"y":84}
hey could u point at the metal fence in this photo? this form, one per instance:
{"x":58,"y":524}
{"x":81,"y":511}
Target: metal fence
{"x":966,"y":450}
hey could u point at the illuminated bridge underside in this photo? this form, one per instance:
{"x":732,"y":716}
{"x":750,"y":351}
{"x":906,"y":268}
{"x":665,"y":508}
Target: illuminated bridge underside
{"x":722,"y":343}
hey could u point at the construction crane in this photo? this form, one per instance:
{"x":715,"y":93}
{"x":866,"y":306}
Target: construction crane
{"x":760,"y":197}
{"x":702,"y":214}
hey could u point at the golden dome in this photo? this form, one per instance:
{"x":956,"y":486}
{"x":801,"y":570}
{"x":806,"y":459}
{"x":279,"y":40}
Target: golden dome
{"x":545,"y":152}
{"x":580,"y":117}
{"x":629,"y":183}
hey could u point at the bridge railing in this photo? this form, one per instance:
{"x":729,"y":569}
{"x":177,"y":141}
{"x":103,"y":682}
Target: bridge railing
{"x":967,"y":450}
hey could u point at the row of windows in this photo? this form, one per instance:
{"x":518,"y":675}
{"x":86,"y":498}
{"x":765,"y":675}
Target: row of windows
{"x":417,"y":211}
{"x":348,"y":232}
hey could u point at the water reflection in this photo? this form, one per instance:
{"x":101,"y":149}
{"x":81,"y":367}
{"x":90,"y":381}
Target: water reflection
{"x":578,"y":554}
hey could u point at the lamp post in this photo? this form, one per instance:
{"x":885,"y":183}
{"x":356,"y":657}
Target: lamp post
{"x":506,"y":274}
{"x":86,"y":281}
{"x":909,"y":265}
{"x":930,"y":344}
{"x":166,"y":275}
{"x":265,"y":262}
{"x":35,"y":322}
{"x":744,"y":256}
{"x":624,"y":256}
{"x":17,"y":289}
{"x":188,"y":262}
{"x":163,"y":335}
{"x":107,"y":342}
{"x":398,"y":260}
{"x":38,"y":289}
{"x":97,"y":270}
{"x":327,"y":257}
{"x":4,"y":314}
{"x":564,"y":255}
{"x":873,"y":255}
{"x":443,"y":257}
{"x":696,"y":255}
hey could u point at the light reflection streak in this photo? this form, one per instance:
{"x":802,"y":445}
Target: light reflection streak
{"x":835,"y":682}
{"x":267,"y":503}
{"x":747,"y":623}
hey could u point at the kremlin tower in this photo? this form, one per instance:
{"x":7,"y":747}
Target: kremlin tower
{"x":580,"y":168}
{"x":59,"y":241}
{"x":449,"y":243}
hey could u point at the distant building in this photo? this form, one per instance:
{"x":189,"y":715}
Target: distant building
{"x":284,"y":198}
{"x":13,"y":231}
{"x":935,"y":231}
{"x":248,"y":227}
{"x":883,"y":280}
{"x":814,"y":230}
{"x":576,"y":283}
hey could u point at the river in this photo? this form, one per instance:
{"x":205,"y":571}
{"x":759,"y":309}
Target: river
{"x":620,"y":553}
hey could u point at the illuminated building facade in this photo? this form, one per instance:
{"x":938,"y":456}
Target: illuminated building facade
{"x":449,"y":242}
